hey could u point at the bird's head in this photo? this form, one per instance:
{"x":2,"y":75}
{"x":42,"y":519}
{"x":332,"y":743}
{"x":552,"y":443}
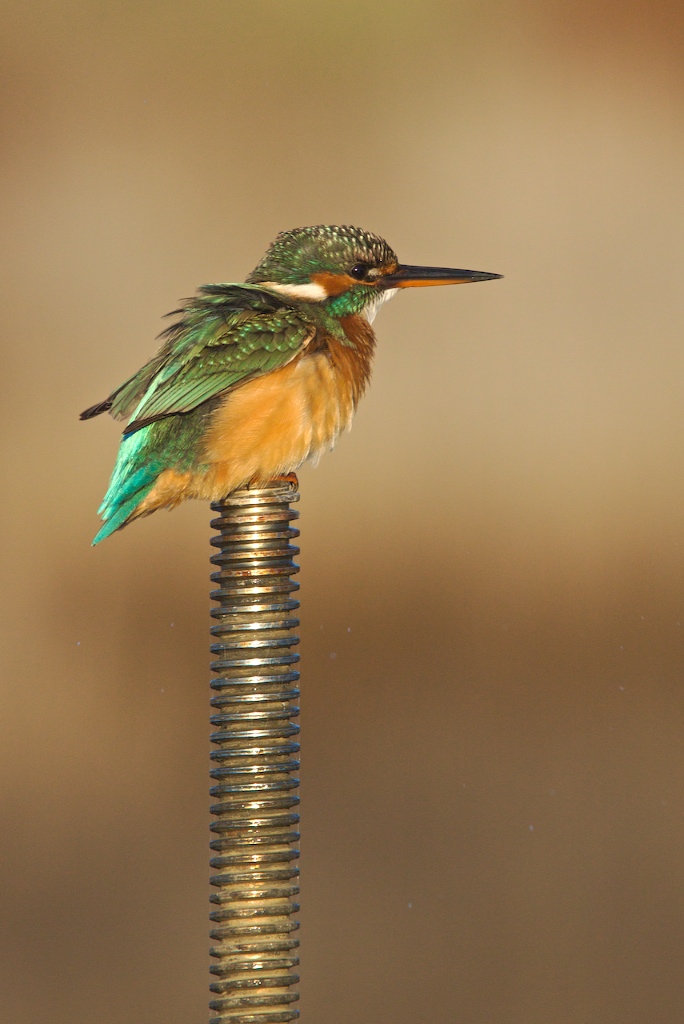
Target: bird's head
{"x":348,"y":269}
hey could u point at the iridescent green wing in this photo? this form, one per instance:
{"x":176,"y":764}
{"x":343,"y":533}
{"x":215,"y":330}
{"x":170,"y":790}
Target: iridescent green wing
{"x":227,"y":335}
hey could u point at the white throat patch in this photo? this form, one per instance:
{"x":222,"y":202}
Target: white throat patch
{"x":371,"y":310}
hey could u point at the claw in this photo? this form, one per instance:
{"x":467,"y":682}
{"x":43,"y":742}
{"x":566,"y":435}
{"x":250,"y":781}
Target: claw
{"x":284,"y":478}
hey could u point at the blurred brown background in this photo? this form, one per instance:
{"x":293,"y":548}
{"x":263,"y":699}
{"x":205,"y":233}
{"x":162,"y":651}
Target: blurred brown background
{"x":493,"y":560}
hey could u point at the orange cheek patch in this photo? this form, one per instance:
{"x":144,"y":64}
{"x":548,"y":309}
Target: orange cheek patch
{"x":333,"y":284}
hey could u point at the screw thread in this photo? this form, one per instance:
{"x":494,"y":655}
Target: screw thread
{"x":255,"y":756}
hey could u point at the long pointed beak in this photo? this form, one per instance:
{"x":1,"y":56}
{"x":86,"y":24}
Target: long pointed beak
{"x":422,"y":277}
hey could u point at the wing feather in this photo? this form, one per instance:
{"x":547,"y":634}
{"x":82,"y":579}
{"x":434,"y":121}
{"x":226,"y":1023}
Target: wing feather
{"x":225,"y":336}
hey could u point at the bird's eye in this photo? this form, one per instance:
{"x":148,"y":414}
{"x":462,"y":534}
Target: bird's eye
{"x":359,"y":271}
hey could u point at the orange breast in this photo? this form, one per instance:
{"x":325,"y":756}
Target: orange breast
{"x":273,"y":424}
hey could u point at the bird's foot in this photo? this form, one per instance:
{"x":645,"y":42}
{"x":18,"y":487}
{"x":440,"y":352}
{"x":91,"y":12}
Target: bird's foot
{"x":285,"y":478}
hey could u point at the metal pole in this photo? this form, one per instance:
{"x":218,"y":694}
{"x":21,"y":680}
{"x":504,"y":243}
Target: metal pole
{"x":255,"y":835}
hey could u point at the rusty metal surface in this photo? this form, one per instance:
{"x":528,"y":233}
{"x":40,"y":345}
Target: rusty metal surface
{"x":255,"y":758}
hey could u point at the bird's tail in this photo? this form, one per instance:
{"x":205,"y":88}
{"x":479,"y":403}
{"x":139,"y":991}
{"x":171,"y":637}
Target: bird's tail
{"x":134,"y":476}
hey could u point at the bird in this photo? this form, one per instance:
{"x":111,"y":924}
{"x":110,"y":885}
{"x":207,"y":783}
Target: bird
{"x":254,"y":379}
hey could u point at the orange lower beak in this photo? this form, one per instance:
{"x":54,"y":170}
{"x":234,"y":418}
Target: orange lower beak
{"x":422,"y":277}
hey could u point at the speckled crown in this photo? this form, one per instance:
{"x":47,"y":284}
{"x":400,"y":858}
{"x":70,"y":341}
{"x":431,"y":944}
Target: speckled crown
{"x":296,"y":254}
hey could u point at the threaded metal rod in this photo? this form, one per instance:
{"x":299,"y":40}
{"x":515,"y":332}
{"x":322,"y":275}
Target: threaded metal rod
{"x":255,"y":822}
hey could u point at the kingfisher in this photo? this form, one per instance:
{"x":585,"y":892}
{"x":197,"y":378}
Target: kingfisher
{"x":254,"y":379}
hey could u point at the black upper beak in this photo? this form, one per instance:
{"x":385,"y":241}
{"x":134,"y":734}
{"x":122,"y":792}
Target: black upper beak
{"x":415,"y":277}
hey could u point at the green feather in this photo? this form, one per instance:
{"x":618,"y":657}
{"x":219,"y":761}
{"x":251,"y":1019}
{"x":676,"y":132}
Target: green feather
{"x":174,"y":442}
{"x":222,"y":339}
